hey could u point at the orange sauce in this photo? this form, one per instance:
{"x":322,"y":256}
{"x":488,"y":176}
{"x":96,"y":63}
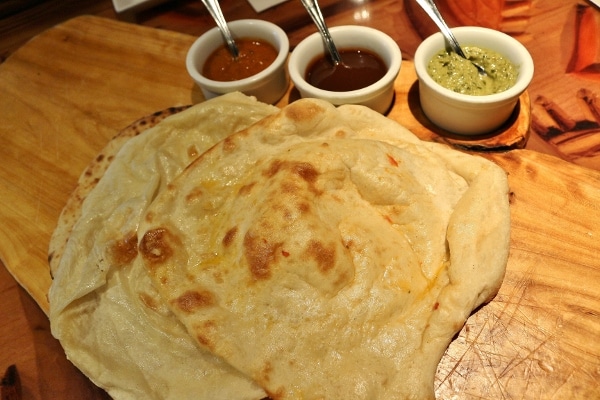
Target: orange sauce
{"x":255,"y":55}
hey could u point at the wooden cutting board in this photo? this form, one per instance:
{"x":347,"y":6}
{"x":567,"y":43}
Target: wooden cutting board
{"x":68,"y":91}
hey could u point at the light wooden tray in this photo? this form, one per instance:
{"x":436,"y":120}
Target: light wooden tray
{"x":71,"y":89}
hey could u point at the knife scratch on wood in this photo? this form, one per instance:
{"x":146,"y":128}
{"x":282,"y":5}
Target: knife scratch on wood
{"x":11,"y":384}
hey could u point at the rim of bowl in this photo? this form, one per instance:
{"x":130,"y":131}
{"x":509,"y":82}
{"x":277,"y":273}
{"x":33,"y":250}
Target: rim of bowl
{"x":297,"y":76}
{"x":518,"y":54}
{"x":282,"y":55}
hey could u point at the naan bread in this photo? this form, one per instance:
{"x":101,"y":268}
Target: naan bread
{"x":103,"y":306}
{"x":329,"y":253}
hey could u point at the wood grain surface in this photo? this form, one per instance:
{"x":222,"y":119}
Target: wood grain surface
{"x":71,"y":89}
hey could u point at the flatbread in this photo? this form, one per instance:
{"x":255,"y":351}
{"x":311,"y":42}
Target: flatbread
{"x":328,"y":253}
{"x":103,"y":307}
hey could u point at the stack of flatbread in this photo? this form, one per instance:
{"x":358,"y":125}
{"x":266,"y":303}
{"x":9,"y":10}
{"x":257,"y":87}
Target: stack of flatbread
{"x":239,"y":251}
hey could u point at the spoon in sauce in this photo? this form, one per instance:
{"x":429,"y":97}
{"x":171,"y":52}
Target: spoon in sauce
{"x":315,"y":13}
{"x":433,"y":12}
{"x":215,"y":11}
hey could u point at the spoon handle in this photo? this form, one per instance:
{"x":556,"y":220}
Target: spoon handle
{"x":215,"y":11}
{"x":433,"y":12}
{"x":315,"y":13}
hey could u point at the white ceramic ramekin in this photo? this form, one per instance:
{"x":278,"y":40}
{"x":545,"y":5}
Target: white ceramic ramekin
{"x":267,"y":86}
{"x":379,"y":95}
{"x":466,"y":114}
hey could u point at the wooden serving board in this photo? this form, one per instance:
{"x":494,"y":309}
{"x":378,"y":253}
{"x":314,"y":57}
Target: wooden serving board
{"x":68,"y":91}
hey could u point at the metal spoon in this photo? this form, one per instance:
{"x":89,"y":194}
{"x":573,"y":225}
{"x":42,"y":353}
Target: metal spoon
{"x":315,"y":13}
{"x":433,"y":12}
{"x":215,"y":11}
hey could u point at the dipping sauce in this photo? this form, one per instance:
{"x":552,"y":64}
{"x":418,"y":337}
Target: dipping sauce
{"x":359,"y":68}
{"x":458,"y":74}
{"x":255,"y":55}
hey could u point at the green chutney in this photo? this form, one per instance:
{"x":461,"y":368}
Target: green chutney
{"x":458,"y":74}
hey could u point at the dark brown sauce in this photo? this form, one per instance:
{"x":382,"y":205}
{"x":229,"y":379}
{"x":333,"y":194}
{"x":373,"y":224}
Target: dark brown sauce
{"x":359,"y":68}
{"x":254,"y":56}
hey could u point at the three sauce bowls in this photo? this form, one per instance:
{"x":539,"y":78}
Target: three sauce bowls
{"x":362,"y":47}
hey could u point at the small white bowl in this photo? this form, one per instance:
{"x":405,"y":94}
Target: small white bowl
{"x":469,"y":114}
{"x":379,"y":95}
{"x":267,"y":86}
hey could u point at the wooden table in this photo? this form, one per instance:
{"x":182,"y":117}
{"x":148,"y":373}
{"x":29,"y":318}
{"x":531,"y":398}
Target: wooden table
{"x":564,"y":114}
